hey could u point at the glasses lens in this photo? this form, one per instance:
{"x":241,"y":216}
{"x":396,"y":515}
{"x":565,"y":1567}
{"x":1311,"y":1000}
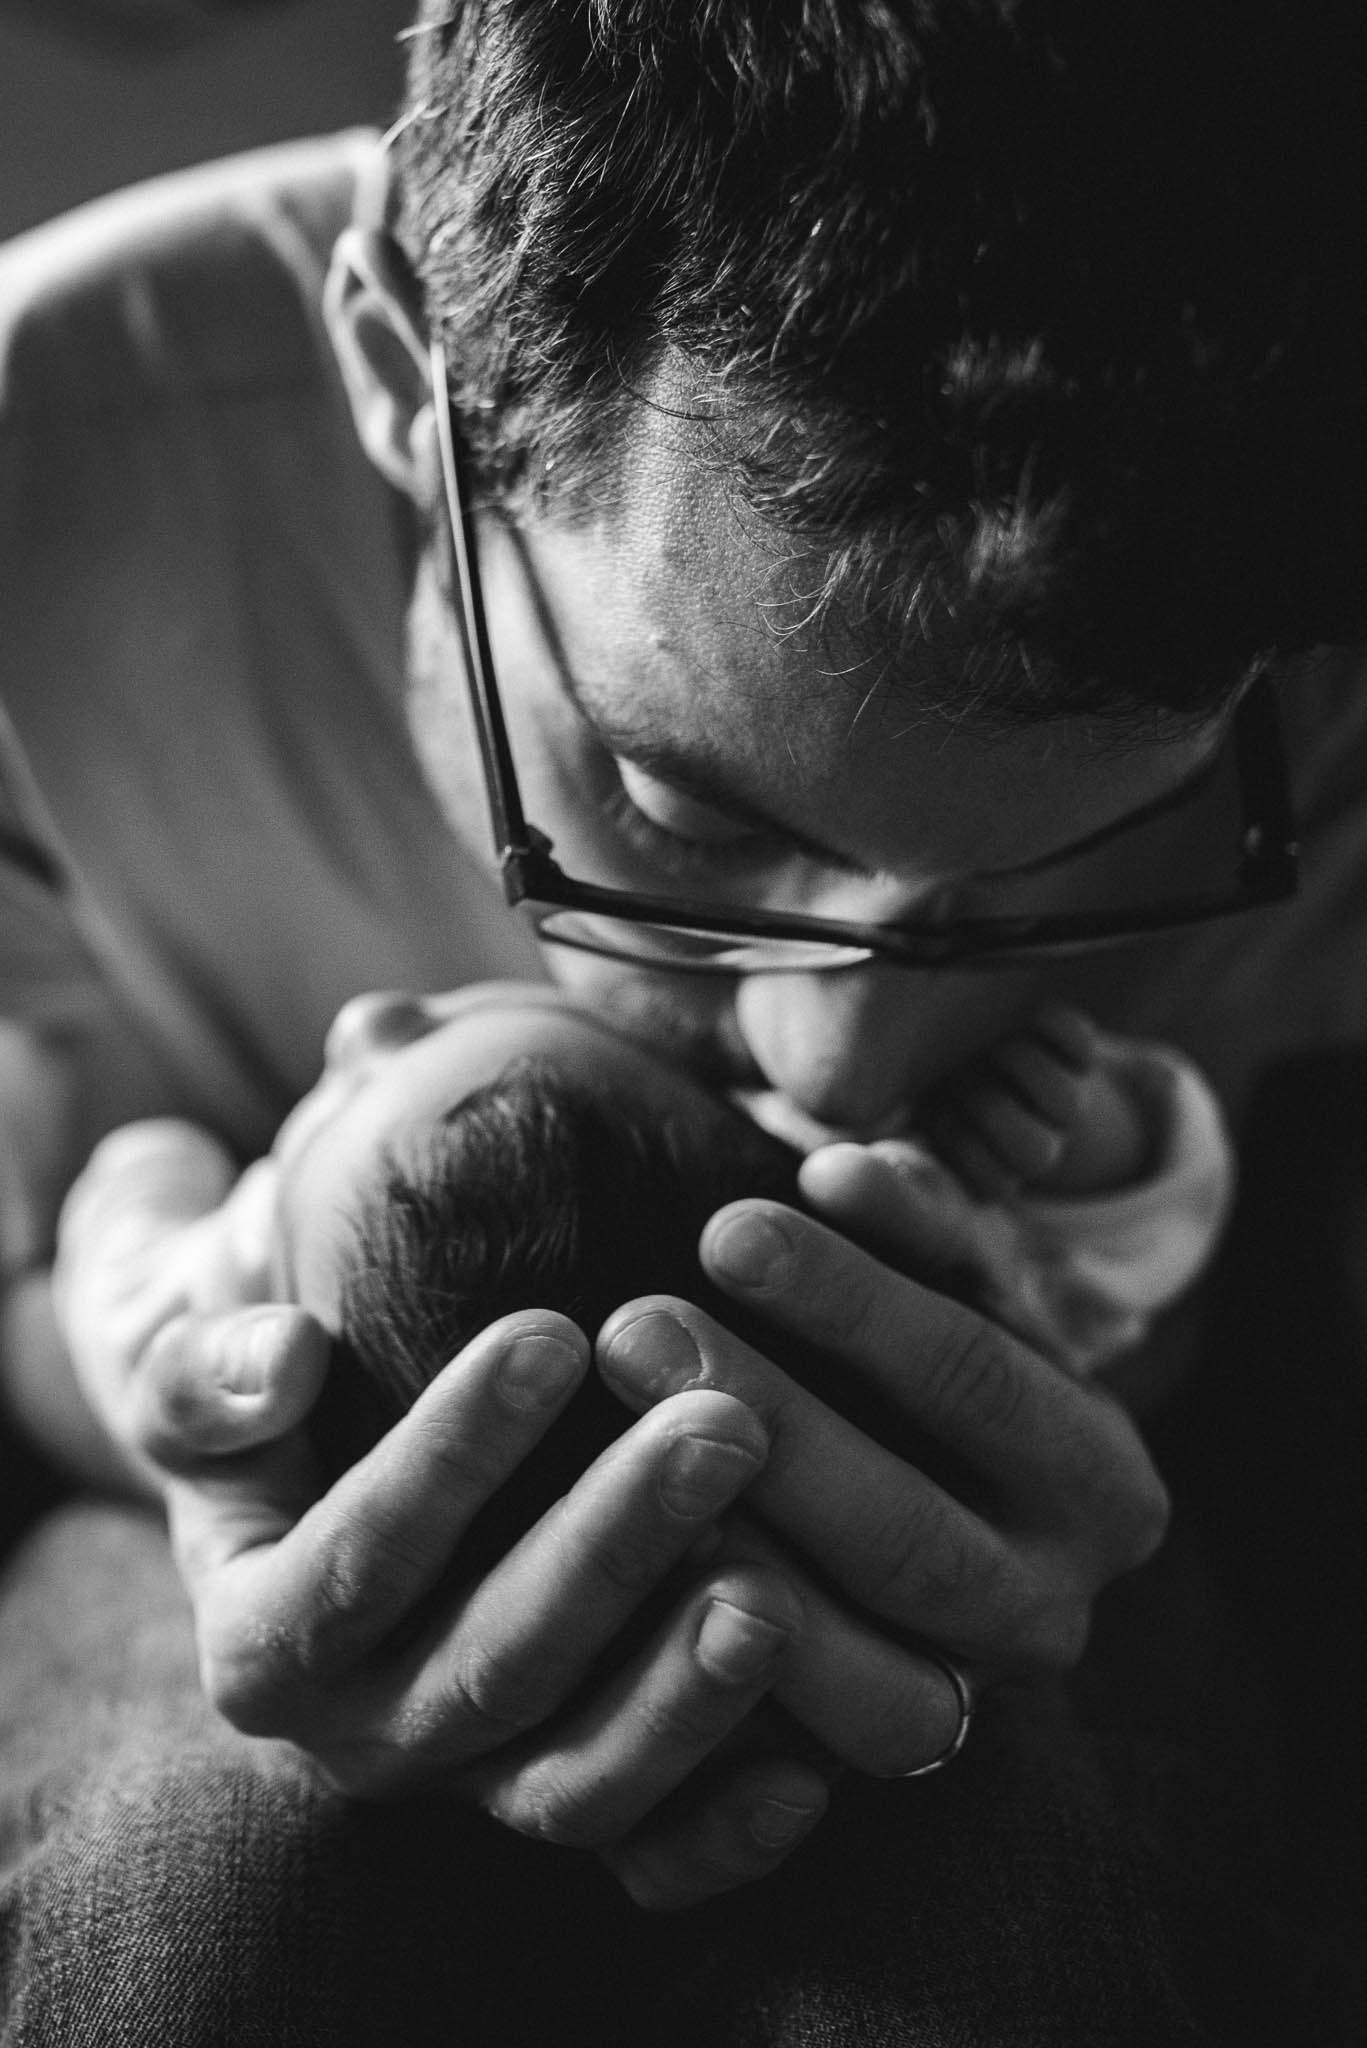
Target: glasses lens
{"x":690,"y":951}
{"x":1189,"y":852}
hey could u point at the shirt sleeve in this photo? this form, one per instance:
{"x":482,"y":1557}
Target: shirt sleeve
{"x":47,"y":977}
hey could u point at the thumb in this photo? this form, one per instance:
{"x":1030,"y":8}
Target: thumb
{"x":213,"y":1387}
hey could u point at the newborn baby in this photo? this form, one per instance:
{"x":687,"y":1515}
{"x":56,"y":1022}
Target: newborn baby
{"x":467,"y":1155}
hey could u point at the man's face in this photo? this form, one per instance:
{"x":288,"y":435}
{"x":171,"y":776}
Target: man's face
{"x":395,"y":1068}
{"x":675,"y":729}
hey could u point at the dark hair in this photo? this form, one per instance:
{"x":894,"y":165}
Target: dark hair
{"x":537,"y":1192}
{"x":1038,"y":318}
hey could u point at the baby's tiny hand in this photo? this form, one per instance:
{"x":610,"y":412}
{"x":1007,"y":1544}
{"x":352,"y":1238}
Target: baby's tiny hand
{"x":1038,"y":1110}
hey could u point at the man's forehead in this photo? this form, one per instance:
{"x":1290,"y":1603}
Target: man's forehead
{"x":681,"y":621}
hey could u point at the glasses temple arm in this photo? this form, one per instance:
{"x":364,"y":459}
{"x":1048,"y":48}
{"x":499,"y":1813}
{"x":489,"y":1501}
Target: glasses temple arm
{"x":500,"y":779}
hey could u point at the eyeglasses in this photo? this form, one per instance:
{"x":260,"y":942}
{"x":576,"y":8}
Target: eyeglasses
{"x":1231,"y":830}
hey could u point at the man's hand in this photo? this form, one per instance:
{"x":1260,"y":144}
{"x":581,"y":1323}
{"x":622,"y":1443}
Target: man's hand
{"x":1052,"y":1493}
{"x":337,"y":1619}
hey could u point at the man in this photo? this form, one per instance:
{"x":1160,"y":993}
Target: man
{"x":880,"y":452}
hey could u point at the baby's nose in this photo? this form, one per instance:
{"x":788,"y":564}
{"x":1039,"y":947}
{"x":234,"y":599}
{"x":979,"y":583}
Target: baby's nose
{"x":378,"y":1022}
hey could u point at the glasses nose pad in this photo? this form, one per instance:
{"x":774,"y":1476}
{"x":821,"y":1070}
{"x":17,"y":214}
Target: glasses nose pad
{"x":378,"y":1022}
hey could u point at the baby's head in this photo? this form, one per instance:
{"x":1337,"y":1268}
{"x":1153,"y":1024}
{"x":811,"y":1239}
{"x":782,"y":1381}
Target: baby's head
{"x":470,"y":1155}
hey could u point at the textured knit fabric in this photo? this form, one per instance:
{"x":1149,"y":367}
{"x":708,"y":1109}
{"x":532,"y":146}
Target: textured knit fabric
{"x":163,"y":1880}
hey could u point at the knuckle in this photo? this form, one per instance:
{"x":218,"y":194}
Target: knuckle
{"x":548,"y":1808}
{"x":1121,"y":1505}
{"x":974,"y":1376}
{"x":1055,"y":1636}
{"x":494,"y":1695}
{"x":622,"y":1561}
{"x":257,"y":1691}
{"x":1145,"y":1521}
{"x":688,"y":1724}
{"x":471,"y":1462}
{"x":367,"y":1770}
{"x":1049,"y":1625}
{"x":334,"y":1625}
{"x":358,"y":1576}
{"x":704,"y":1877}
{"x":922,"y":1565}
{"x":652,"y":1889}
{"x":900,"y":1570}
{"x":845,"y":1297}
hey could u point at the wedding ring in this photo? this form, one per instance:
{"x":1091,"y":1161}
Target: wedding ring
{"x":964,"y":1699}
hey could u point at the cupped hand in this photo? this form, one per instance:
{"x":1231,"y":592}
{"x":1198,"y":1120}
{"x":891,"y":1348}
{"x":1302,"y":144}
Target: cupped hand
{"x":1032,"y":1491}
{"x":337,"y":1619}
{"x":340,"y":1623}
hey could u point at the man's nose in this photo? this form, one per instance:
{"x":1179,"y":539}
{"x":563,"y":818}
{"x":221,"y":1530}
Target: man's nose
{"x":379,"y":1022}
{"x":839,"y":1045}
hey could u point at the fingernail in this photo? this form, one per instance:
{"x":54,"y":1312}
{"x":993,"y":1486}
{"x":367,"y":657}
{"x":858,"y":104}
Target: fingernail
{"x":751,"y":1251}
{"x":777,"y":1825}
{"x":250,"y":1346}
{"x":699,"y":1475}
{"x":654,"y":1356}
{"x":736,"y":1647}
{"x":536,"y":1370}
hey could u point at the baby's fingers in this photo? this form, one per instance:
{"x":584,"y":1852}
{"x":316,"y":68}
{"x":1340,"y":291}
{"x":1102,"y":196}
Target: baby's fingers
{"x":215,"y":1386}
{"x":995,"y":1140}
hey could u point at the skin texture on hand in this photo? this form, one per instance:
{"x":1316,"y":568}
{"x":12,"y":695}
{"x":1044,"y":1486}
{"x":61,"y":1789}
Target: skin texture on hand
{"x":334,"y":1619}
{"x":331,"y":1618}
{"x":1047,"y":1492}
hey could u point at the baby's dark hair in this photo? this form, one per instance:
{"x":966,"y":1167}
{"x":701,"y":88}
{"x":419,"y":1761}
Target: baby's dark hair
{"x":538,"y":1191}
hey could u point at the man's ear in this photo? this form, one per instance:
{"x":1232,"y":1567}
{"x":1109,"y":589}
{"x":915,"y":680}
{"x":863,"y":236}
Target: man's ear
{"x":373,"y":311}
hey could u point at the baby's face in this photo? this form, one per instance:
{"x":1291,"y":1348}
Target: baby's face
{"x":393,"y":1067}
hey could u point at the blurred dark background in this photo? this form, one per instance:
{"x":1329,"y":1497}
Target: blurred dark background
{"x":96,"y":93}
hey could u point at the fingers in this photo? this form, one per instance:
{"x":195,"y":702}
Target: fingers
{"x":890,"y":1537}
{"x":613,"y":1760}
{"x":298,"y":1622}
{"x":1003,"y":1576}
{"x":214,"y":1386}
{"x":1008,"y":1119}
{"x":983,"y":1396}
{"x":898,"y":1202}
{"x":533,"y":1629}
{"x":327,"y":1580}
{"x":877,"y":1705}
{"x":716,"y":1835}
